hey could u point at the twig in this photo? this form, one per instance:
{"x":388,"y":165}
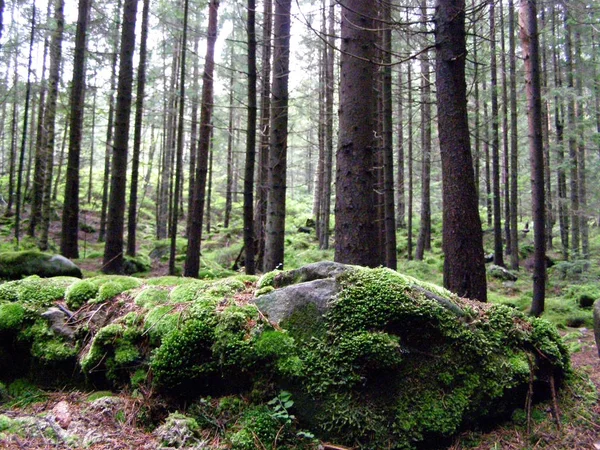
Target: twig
{"x":555,"y":410}
{"x":529,"y":398}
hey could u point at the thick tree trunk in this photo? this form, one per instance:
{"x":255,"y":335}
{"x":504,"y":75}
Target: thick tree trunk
{"x":113,"y":250}
{"x":355,"y":229}
{"x":529,"y":39}
{"x":137,"y":132}
{"x":69,"y":246}
{"x":192,"y":261}
{"x":275,"y":226}
{"x":464,"y":265}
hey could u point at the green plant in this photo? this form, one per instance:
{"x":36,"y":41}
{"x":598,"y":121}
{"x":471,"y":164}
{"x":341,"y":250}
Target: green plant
{"x":79,"y":293}
{"x":11,"y":317}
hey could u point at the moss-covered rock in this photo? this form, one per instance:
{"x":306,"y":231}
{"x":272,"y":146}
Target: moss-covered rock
{"x":16,"y":265}
{"x":35,"y":292}
{"x":79,"y":293}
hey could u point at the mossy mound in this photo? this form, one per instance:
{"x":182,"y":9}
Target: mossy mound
{"x":386,"y":362}
{"x":16,"y":265}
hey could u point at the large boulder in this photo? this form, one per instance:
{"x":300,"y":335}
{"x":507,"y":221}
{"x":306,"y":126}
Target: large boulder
{"x":597,"y":324}
{"x":16,"y":265}
{"x":501,"y":273}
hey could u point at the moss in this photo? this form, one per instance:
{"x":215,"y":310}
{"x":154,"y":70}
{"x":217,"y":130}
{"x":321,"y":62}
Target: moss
{"x":108,"y":291}
{"x":268,"y":279}
{"x":159,"y":322}
{"x":79,"y":293}
{"x":11,"y":317}
{"x":136,"y":264}
{"x":45,"y":346}
{"x":584,"y":295}
{"x":186,"y":292}
{"x":151,"y":296}
{"x":305,"y":323}
{"x":100,"y":394}
{"x":259,"y":430}
{"x":264,"y":290}
{"x":168,"y":281}
{"x":35,"y":292}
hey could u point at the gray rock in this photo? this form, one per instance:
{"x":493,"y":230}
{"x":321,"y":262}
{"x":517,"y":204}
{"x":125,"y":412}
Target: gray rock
{"x":501,"y":273}
{"x":282,"y":303}
{"x":597,"y":324}
{"x":310,"y":272}
{"x":57,"y":320}
{"x":16,"y":265}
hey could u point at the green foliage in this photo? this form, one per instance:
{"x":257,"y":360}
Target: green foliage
{"x":159,"y":322}
{"x":136,"y":264}
{"x":585,"y":295}
{"x":79,"y":293}
{"x":11,"y":317}
{"x":22,"y":392}
{"x":151,"y":296}
{"x":260,"y":429}
{"x":35,"y":292}
{"x":99,"y":394}
{"x":45,"y":346}
{"x":578,"y":270}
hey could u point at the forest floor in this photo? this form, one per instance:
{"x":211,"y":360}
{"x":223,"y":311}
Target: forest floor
{"x":68,"y":420}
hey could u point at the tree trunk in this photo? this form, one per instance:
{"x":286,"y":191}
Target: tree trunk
{"x":180,"y":136}
{"x":529,"y":40}
{"x":388,"y":141}
{"x":192,"y":261}
{"x":505,"y":143}
{"x":263,"y":150}
{"x":69,"y":246}
{"x":50,"y":118}
{"x":249,"y":263}
{"x":113,"y":250}
{"x":230,"y":131}
{"x":498,"y":247}
{"x":137,"y":132}
{"x":355,"y":229}
{"x":464,"y":265}
{"x":581,"y":150}
{"x":514,"y":144}
{"x":400,"y":158}
{"x":409,"y":239}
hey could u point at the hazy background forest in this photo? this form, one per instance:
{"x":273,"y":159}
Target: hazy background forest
{"x":163,"y":154}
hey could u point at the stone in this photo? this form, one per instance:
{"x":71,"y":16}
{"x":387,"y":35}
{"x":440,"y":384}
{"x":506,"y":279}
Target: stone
{"x":62,"y":414}
{"x":57,"y":319}
{"x":16,"y":265}
{"x":501,"y":273}
{"x":310,"y":272}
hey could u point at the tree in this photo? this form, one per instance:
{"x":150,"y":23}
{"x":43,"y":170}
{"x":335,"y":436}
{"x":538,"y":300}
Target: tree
{"x":113,"y":250}
{"x":275,"y":227}
{"x":192,"y":260}
{"x":250,"y":142}
{"x":355,"y":229}
{"x":464,"y":265}
{"x":70,"y":219}
{"x":137,"y":132}
{"x":530,"y":45}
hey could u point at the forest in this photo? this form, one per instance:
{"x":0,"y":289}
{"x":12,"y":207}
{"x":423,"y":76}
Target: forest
{"x":222,"y":145}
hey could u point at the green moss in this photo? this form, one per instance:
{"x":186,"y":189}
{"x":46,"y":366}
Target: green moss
{"x":23,"y":392}
{"x":187,"y":292}
{"x":584,"y":295}
{"x":159,"y":322}
{"x":259,"y":430}
{"x":45,"y":346}
{"x":11,"y":317}
{"x":168,"y":281}
{"x":267,"y":279}
{"x":15,"y":265}
{"x":305,"y":323}
{"x":35,"y":292}
{"x":100,"y":394}
{"x":136,"y":264}
{"x":108,"y":291}
{"x":79,"y":293}
{"x":264,"y":290}
{"x":151,"y":296}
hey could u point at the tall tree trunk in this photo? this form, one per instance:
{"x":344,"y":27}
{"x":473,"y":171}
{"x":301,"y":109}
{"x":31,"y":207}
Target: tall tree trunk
{"x":193,"y":133}
{"x":137,"y":132}
{"x":92,"y":145}
{"x":69,"y":245}
{"x":529,"y":39}
{"x":498,"y":247}
{"x":230,"y":131}
{"x":400,"y":158}
{"x":113,"y":250}
{"x":572,"y":137}
{"x":388,"y":141}
{"x":409,"y":101}
{"x":19,"y":199}
{"x":581,"y":150}
{"x":464,"y":265}
{"x":110,"y":123}
{"x":180,"y":136}
{"x":514,"y":145}
{"x":424,"y":240}
{"x":192,"y":261}
{"x":275,"y":226}
{"x":263,"y":150}
{"x":249,"y":264}
{"x":355,"y":229}
{"x":505,"y":143}
{"x":13,"y":140}
{"x":209,"y":187}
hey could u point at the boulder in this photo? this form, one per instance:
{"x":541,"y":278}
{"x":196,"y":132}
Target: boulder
{"x":597,"y":324}
{"x":57,"y":319}
{"x":16,"y":265}
{"x":501,"y":273}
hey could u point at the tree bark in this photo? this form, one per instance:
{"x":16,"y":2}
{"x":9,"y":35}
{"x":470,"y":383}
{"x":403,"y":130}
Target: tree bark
{"x":514,"y":144}
{"x":192,"y":261}
{"x":529,"y":40}
{"x":137,"y":132}
{"x":355,"y":229}
{"x":113,"y":250}
{"x":275,"y":226}
{"x":464,"y":265}
{"x":69,"y":246}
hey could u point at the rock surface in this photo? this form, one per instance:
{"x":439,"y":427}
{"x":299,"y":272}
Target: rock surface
{"x":16,"y":265}
{"x":501,"y":273}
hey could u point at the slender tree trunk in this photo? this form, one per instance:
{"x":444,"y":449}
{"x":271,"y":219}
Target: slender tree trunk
{"x":92,"y":145}
{"x":505,"y":143}
{"x":275,"y":226}
{"x":180,"y":136}
{"x":209,"y":188}
{"x":61,"y":158}
{"x":69,"y":245}
{"x":476,"y":112}
{"x":388,"y":141}
{"x":486,"y":152}
{"x":193,"y":133}
{"x":137,"y":132}
{"x":230,"y":131}
{"x":514,"y":145}
{"x":13,"y":141}
{"x":113,"y":250}
{"x":19,"y":199}
{"x":581,"y":150}
{"x":355,"y":229}
{"x":529,"y":39}
{"x":263,"y":152}
{"x":409,"y":239}
{"x":249,"y":264}
{"x":400,"y":158}
{"x":192,"y":261}
{"x":464,"y":265}
{"x":498,"y":247}
{"x":109,"y":126}
{"x":424,"y":240}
